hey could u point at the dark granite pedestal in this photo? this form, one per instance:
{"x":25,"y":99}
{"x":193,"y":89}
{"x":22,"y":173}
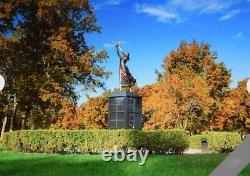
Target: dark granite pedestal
{"x":125,"y":111}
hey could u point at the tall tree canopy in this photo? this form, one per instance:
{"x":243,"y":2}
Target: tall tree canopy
{"x":44,"y":55}
{"x":199,"y":59}
{"x":235,"y":112}
{"x":190,"y":91}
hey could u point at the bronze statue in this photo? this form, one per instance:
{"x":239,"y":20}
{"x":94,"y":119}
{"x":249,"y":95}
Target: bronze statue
{"x":126,"y":78}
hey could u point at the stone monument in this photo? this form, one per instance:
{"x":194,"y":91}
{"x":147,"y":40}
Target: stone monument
{"x":125,"y":107}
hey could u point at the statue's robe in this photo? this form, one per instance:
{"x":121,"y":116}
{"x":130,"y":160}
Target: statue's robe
{"x":126,"y":78}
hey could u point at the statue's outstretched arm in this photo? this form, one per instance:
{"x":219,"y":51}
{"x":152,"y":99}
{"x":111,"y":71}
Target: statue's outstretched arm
{"x":119,"y":51}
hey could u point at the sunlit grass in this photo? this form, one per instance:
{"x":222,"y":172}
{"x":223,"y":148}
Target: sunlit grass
{"x":20,"y":164}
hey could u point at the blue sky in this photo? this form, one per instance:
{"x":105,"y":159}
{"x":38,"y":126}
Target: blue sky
{"x":149,"y":30}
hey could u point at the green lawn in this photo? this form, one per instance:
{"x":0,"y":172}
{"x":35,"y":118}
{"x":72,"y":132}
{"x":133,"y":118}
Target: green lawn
{"x":23,"y":164}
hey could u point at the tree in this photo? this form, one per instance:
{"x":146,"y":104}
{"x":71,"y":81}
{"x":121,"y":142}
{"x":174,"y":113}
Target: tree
{"x":190,"y":91}
{"x":68,"y":117}
{"x":44,"y":55}
{"x":146,"y":92}
{"x":94,"y":113}
{"x":90,"y":115}
{"x":200,"y":60}
{"x":178,"y":103}
{"x":235,"y":112}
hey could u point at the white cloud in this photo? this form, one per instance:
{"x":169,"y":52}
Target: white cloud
{"x":239,"y":35}
{"x":175,"y":10}
{"x":160,"y":12}
{"x":230,"y":14}
{"x":203,"y":6}
{"x":113,"y":2}
{"x":100,"y":5}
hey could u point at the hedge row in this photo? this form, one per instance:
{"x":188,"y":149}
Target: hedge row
{"x":95,"y":141}
{"x":217,"y":141}
{"x":1,"y":146}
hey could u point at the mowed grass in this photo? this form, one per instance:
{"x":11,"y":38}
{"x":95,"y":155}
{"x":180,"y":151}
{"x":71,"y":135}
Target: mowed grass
{"x":24,"y":164}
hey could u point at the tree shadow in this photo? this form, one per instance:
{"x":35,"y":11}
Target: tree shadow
{"x":57,"y":165}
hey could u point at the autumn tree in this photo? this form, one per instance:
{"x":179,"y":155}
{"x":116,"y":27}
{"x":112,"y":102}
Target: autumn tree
{"x":202,"y":61}
{"x":67,"y":117}
{"x":94,"y":113}
{"x":44,"y":55}
{"x":190,"y":91}
{"x":235,"y":112}
{"x":146,"y":92}
{"x":177,"y":104}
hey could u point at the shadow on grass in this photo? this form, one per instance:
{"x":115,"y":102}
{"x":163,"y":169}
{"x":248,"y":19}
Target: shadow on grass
{"x":55,"y":165}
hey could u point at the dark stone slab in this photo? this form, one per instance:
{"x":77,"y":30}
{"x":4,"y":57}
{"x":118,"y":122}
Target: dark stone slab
{"x":125,"y":111}
{"x":124,"y":94}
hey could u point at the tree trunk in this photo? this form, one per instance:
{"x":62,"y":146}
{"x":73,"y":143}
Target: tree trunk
{"x":24,"y":123}
{"x":3,"y":127}
{"x":13,"y":115}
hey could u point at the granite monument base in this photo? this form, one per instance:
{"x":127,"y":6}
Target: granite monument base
{"x":125,"y":111}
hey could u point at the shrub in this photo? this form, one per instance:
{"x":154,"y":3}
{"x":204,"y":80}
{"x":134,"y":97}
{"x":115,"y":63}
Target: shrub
{"x":95,"y":141}
{"x":218,"y":141}
{"x":1,"y":146}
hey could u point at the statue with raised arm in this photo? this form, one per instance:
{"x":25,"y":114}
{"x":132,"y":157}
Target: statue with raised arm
{"x":126,"y":78}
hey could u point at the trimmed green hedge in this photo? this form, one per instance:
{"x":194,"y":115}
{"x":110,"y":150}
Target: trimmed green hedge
{"x":217,"y":141}
{"x":95,"y":141}
{"x":1,"y":146}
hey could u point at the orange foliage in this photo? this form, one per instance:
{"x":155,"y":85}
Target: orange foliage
{"x":190,"y":92}
{"x":235,"y":112}
{"x":67,"y":118}
{"x":94,"y":113}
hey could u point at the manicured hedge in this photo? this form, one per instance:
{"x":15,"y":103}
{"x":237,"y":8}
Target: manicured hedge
{"x":217,"y":141}
{"x":1,"y":146}
{"x":95,"y":141}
